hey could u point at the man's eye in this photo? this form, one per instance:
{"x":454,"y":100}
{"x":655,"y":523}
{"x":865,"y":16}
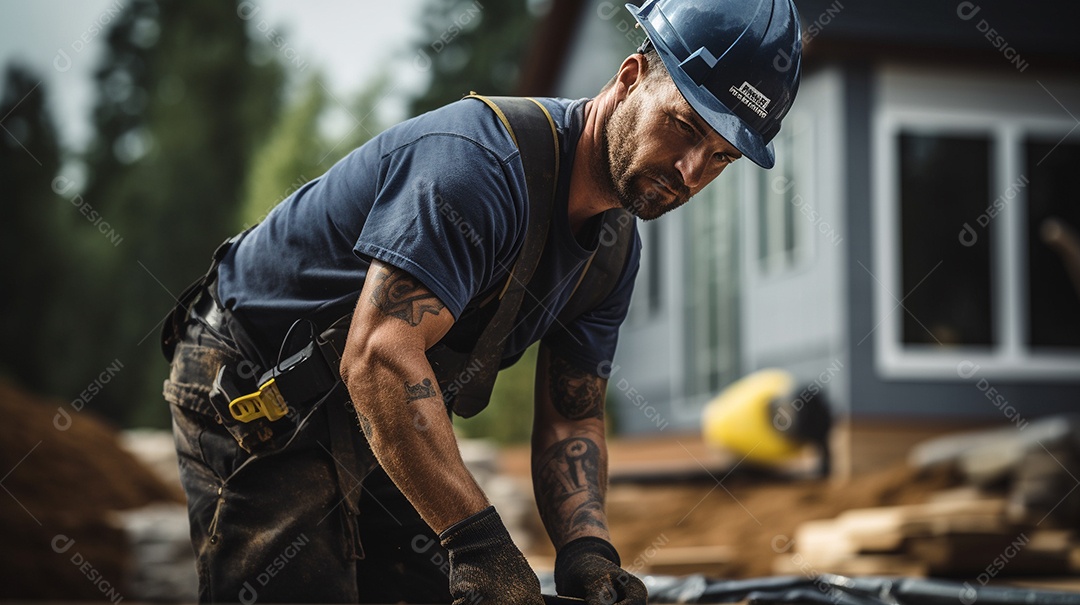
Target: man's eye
{"x":683,"y":126}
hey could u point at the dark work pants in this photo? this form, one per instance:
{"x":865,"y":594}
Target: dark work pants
{"x":290,"y":522}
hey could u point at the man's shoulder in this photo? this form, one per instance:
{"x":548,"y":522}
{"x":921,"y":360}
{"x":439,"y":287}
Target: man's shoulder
{"x":471,"y":120}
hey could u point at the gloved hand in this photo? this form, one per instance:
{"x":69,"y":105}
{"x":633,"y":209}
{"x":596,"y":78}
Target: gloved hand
{"x":588,"y":568}
{"x":485,"y":566}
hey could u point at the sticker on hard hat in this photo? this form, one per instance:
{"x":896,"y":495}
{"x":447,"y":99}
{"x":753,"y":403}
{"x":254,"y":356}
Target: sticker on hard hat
{"x":752,"y":98}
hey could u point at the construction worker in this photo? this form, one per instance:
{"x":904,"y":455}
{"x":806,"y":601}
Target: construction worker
{"x":356,"y":492}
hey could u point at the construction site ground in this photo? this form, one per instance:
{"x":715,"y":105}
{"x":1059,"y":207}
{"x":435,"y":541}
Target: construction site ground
{"x":718,"y":508}
{"x":674,"y":505}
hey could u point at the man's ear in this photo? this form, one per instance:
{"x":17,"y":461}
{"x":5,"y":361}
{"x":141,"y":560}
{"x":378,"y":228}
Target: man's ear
{"x":630,"y":75}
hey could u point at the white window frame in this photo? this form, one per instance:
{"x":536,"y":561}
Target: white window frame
{"x":1009,"y":357}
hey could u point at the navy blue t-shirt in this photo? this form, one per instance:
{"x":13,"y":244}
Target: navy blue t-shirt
{"x":441,"y":196}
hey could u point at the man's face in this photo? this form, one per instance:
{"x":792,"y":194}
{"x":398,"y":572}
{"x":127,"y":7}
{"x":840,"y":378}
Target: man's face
{"x":659,"y":152}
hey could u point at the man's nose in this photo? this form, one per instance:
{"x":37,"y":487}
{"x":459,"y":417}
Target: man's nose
{"x":692,"y":167}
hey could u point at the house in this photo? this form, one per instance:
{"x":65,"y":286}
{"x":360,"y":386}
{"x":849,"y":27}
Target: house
{"x":906,"y":253}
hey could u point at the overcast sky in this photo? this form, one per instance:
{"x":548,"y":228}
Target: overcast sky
{"x":350,"y":40}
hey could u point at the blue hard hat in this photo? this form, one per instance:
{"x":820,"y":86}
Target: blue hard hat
{"x":736,"y":62}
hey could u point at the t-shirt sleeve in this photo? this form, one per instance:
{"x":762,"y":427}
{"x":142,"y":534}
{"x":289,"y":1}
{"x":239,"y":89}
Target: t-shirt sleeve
{"x":589,"y":341}
{"x":446,"y":213}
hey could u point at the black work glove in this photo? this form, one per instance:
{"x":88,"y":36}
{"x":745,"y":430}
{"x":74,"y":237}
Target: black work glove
{"x":588,"y":568}
{"x":485,"y":566}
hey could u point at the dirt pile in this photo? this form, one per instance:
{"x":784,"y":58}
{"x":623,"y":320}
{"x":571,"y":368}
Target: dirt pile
{"x":754,"y":518}
{"x":62,"y":471}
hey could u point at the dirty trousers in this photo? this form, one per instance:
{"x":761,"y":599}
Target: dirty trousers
{"x":299,"y":520}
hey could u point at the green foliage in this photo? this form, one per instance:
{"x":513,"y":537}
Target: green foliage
{"x":181,"y":107}
{"x":469,"y":45}
{"x":508,"y":418}
{"x":29,"y":233}
{"x":190,"y":144}
{"x":290,"y":157}
{"x":296,"y":152}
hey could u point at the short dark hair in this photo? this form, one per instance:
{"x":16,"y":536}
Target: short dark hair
{"x":654,"y":65}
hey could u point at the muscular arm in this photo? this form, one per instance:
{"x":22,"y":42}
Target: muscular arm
{"x":569,"y":452}
{"x":397,"y":396}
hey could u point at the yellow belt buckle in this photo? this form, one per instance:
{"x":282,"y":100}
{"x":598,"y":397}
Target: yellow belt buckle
{"x":267,"y":403}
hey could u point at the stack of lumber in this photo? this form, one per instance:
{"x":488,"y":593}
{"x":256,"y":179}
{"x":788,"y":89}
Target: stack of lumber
{"x":959,"y":533}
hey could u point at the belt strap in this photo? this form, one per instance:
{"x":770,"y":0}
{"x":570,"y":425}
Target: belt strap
{"x":173,"y":328}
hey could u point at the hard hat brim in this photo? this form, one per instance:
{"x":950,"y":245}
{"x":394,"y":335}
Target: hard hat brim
{"x":715,"y":113}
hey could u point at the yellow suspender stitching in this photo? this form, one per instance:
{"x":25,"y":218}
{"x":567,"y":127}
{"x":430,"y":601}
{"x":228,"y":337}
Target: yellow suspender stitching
{"x":509,"y":129}
{"x":502,"y":116}
{"x":581,"y":277}
{"x":554,"y":132}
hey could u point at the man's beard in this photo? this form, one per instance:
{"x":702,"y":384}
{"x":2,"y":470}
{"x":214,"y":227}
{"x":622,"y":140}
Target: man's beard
{"x":643,"y":191}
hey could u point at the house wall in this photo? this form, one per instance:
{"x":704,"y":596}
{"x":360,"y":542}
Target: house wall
{"x":605,"y":36}
{"x":794,"y":313}
{"x":889,"y":379}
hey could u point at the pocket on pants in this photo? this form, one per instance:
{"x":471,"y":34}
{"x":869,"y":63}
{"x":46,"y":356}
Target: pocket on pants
{"x":197,"y":426}
{"x":194,"y":368}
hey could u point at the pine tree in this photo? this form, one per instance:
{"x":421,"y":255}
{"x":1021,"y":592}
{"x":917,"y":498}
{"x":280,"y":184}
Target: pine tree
{"x":182,"y":106}
{"x":297,"y":151}
{"x":29,"y":160}
{"x":471,"y":45}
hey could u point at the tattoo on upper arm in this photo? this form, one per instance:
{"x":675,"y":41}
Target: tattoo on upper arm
{"x":420,"y":390}
{"x":571,"y":478}
{"x":398,"y":294}
{"x":574,"y":393}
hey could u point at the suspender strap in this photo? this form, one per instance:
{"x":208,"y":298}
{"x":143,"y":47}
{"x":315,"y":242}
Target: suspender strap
{"x":604,"y":266}
{"x":466,"y":378}
{"x":533,"y":130}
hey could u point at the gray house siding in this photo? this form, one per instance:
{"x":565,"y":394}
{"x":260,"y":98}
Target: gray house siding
{"x":794,"y":316}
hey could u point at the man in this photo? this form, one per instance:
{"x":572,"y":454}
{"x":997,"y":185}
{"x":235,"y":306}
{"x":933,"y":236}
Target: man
{"x":414,"y":232}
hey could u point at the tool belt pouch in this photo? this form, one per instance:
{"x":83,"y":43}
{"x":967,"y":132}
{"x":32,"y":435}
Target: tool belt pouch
{"x":258,"y":410}
{"x":256,"y":435}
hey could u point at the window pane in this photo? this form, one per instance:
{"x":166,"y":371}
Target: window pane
{"x":710,"y":320}
{"x":944,"y":184}
{"x":777,"y":235}
{"x":1053,"y":218}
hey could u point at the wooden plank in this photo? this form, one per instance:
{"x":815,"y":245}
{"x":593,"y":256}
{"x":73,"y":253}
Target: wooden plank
{"x":879,"y":565}
{"x":712,"y":561}
{"x":823,"y":542}
{"x":870,"y":530}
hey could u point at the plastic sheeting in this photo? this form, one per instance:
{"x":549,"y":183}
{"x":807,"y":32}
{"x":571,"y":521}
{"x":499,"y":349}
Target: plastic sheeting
{"x":828,"y":589}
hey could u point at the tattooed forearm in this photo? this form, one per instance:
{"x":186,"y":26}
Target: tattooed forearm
{"x":575,"y":394}
{"x":568,"y":482}
{"x":399,"y":295}
{"x":420,"y":390}
{"x":365,"y":423}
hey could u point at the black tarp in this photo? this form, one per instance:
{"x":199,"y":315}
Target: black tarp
{"x":829,"y":589}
